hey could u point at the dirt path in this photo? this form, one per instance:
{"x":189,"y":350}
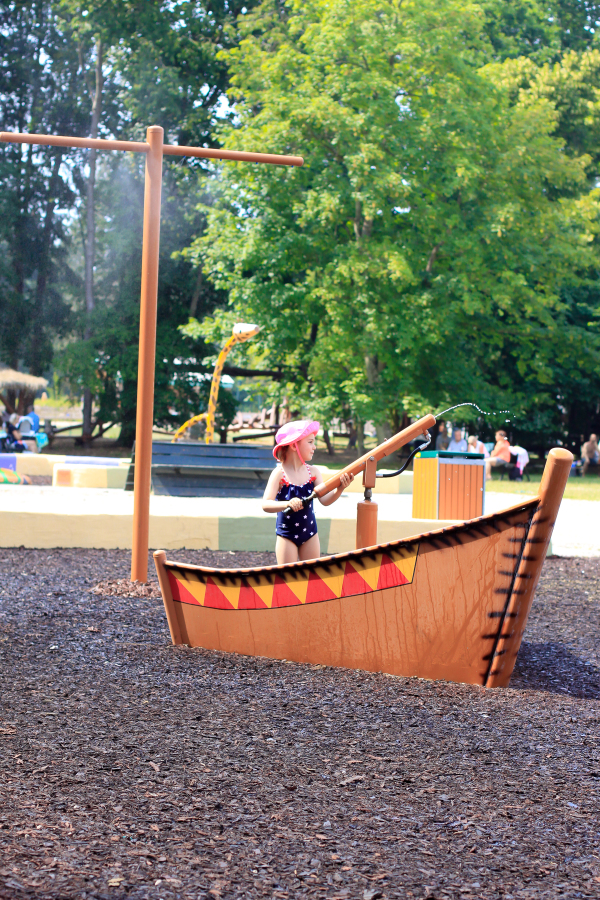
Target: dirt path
{"x":130,"y":769}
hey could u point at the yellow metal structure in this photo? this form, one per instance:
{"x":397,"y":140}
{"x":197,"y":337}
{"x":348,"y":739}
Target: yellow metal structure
{"x":241,"y":333}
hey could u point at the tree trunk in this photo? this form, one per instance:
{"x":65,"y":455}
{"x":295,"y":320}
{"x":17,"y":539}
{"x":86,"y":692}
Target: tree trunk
{"x":196,"y":295}
{"x":127,"y":433}
{"x":90,"y":241}
{"x":351,"y":434}
{"x":327,"y":439}
{"x":37,"y":338}
{"x":360,"y":437}
{"x":384,"y":432}
{"x":373,"y":367}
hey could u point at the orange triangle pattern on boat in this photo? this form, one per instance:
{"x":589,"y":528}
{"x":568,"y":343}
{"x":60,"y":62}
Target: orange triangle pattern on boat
{"x":181,"y":590}
{"x":317,"y":583}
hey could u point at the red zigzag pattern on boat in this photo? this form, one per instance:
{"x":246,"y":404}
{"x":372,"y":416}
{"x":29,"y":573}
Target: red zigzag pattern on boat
{"x":315,"y":584}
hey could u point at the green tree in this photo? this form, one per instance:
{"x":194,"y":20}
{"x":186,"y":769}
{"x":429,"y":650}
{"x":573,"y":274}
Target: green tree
{"x":39,"y":92}
{"x":164,"y":61}
{"x":567,"y":399}
{"x":419,"y":257}
{"x":539,"y":30}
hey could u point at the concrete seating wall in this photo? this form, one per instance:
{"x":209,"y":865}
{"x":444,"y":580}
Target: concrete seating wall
{"x":111,"y":472}
{"x":90,"y":476}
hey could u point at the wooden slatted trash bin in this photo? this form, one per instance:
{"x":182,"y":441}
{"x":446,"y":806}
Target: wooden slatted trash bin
{"x":448,"y":485}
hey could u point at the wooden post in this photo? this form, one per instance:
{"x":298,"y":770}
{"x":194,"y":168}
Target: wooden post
{"x":154,"y":149}
{"x":145,"y":388}
{"x":366,"y":510}
{"x":160,"y":558}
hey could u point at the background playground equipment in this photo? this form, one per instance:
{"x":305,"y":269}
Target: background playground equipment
{"x":263,"y":423}
{"x":84,"y":475}
{"x":44,"y":464}
{"x":241,"y":332}
{"x":9,"y":476}
{"x":18,"y":390}
{"x":449,"y":604}
{"x":193,"y":469}
{"x":155,"y":149}
{"x":448,"y":485}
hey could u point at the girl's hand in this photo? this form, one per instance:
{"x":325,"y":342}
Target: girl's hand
{"x":345,"y":480}
{"x":296,"y":504}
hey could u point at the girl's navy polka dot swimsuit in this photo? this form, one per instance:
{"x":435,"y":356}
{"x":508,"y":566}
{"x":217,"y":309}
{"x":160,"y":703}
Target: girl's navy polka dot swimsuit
{"x":296,"y":526}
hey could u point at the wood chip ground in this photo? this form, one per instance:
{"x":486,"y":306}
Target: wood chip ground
{"x":132,"y":769}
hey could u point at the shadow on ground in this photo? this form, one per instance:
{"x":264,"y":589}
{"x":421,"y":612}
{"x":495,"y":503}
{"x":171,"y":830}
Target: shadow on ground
{"x":552,"y":667}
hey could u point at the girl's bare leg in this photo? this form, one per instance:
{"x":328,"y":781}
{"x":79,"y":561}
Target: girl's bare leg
{"x":310,"y":549}
{"x":286,"y":551}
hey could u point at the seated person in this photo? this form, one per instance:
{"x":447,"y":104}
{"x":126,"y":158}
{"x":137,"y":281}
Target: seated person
{"x":33,"y":418}
{"x":500,"y":456}
{"x":476,"y":446}
{"x":442,"y":440}
{"x":458,"y":443}
{"x":17,"y":442}
{"x":590,"y":455}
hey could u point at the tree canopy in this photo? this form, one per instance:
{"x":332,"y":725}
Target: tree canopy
{"x":438,"y":245}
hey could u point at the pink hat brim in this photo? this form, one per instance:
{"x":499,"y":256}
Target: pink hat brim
{"x":293,"y":432}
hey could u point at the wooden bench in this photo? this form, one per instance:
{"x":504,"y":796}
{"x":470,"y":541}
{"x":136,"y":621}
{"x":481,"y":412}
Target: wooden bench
{"x":192,"y":469}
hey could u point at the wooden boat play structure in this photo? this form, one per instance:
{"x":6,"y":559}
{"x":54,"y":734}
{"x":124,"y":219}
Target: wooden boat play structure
{"x":448,"y":604}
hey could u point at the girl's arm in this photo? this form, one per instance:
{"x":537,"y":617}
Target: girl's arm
{"x":270,"y":504}
{"x":332,"y":496}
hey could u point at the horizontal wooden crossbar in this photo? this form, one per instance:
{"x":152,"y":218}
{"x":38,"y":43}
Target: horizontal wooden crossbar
{"x":58,"y":140}
{"x":143,"y":147}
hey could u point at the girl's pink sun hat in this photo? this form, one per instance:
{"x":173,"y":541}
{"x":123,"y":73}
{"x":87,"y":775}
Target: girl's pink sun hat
{"x":293,"y":432}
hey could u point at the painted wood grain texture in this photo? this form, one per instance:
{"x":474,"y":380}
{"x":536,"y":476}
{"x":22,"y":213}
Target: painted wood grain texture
{"x":461,"y":494}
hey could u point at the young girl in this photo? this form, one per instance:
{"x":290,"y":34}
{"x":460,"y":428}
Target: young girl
{"x":289,"y":483}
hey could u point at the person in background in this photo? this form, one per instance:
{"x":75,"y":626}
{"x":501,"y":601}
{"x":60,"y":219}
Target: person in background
{"x":476,"y":446}
{"x":32,"y":417}
{"x":442,"y":440}
{"x":590,"y":455}
{"x":18,"y":443}
{"x":522,"y":461}
{"x":500,"y":456}
{"x":458,"y":443}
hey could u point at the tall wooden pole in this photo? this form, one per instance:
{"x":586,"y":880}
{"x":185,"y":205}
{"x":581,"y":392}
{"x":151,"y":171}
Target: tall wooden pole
{"x":145,"y":389}
{"x":154,"y":150}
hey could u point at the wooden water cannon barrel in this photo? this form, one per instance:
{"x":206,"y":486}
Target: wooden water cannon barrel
{"x":390,"y":446}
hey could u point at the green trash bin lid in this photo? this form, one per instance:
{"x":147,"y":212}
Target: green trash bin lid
{"x":448,"y":454}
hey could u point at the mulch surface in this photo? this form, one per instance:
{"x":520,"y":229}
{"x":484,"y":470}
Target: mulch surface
{"x":133,"y":769}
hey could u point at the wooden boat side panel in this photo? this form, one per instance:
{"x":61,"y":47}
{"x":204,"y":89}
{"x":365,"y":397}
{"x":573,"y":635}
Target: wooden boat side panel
{"x":442,"y":625}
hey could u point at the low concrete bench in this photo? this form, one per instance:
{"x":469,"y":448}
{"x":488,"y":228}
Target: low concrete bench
{"x":192,"y":469}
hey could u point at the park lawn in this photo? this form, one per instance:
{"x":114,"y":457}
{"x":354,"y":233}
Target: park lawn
{"x":587,"y":488}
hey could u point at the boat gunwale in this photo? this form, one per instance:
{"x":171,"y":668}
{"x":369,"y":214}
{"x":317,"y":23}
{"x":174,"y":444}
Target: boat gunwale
{"x":369,"y":551}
